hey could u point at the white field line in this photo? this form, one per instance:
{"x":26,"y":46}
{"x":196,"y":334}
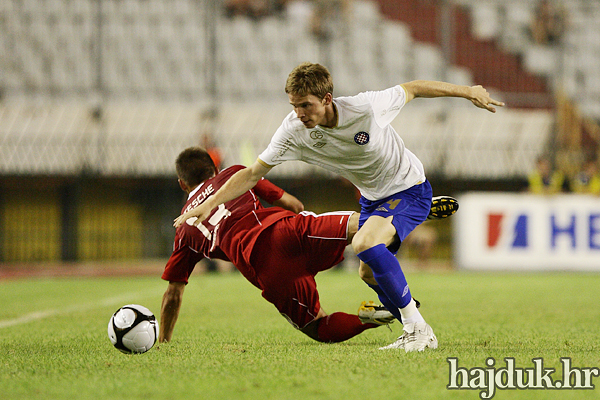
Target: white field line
{"x":109,"y":301}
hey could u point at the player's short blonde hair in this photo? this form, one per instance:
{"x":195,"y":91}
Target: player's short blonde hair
{"x":309,"y":78}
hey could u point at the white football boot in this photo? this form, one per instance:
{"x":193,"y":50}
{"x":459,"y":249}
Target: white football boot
{"x":416,"y":337}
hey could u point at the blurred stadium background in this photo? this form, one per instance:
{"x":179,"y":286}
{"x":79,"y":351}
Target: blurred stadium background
{"x":97,"y":98}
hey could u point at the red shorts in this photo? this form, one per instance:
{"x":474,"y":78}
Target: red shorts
{"x":288,"y":255}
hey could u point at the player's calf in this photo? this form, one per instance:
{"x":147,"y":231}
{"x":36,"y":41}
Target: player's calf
{"x":336,"y":327}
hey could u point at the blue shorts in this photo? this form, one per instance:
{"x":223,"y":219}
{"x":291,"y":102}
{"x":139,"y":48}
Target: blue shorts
{"x":409,"y":209}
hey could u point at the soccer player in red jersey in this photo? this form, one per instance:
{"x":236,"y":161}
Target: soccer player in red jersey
{"x":276,"y":249}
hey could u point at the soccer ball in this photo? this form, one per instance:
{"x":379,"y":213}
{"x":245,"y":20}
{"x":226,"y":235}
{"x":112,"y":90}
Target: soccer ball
{"x":133,"y":329}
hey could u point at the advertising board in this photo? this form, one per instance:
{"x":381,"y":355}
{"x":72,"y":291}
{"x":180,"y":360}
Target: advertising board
{"x":527,"y":232}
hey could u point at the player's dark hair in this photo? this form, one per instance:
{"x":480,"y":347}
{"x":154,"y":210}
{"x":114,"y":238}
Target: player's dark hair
{"x":307,"y":79}
{"x":194,"y":166}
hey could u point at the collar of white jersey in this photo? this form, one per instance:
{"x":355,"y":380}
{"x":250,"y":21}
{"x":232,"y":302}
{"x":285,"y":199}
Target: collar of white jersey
{"x":338,"y":111}
{"x":339,"y":116}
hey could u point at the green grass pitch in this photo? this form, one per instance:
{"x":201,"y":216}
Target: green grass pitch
{"x":229,"y":343}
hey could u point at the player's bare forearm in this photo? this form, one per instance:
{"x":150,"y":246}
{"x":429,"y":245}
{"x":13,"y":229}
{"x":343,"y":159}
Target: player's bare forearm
{"x":242,"y":181}
{"x":422,"y":88}
{"x":476,"y":94}
{"x":169,"y":311}
{"x":289,"y":202}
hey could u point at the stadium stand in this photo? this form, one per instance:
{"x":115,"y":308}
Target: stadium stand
{"x":114,"y":89}
{"x":110,"y":55}
{"x":570,"y":65}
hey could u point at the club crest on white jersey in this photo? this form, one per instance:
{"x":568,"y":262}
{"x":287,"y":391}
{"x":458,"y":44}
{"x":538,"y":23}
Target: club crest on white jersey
{"x":361,"y":138}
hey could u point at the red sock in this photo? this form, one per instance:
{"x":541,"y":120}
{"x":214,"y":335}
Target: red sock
{"x":340,"y":326}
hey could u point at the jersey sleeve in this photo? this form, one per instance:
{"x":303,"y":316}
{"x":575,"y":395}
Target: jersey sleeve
{"x":386,"y":104}
{"x":282,"y":146}
{"x":182,"y":262}
{"x":268,"y":191}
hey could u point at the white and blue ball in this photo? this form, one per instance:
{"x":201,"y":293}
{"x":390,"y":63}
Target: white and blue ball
{"x":133,"y":329}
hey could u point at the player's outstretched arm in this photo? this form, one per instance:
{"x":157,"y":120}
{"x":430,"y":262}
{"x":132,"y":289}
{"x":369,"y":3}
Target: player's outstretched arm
{"x":478,"y":95}
{"x":169,"y":311}
{"x":242,"y":181}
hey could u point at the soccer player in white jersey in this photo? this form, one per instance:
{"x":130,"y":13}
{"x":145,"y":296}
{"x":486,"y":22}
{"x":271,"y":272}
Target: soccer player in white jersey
{"x":352,"y":136}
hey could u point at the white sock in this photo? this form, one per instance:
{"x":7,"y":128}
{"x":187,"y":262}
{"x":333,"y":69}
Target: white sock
{"x":410,"y":313}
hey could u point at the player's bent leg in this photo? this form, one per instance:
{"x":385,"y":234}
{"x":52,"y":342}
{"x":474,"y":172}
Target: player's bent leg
{"x":297,"y":299}
{"x":376,"y":230}
{"x":372,"y":248}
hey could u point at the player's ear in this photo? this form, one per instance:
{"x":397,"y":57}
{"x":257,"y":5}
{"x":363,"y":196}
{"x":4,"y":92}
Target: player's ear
{"x":182,"y":185}
{"x":327,"y":99}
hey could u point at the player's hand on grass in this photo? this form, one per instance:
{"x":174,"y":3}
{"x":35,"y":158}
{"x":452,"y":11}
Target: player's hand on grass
{"x":481,"y":98}
{"x":201,"y":213}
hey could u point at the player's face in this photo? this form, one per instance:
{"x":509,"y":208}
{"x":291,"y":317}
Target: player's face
{"x":309,"y":109}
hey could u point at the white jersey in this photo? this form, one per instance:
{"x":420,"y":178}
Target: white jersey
{"x":362,"y":148}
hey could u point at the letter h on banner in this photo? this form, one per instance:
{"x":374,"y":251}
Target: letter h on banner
{"x":569,"y":230}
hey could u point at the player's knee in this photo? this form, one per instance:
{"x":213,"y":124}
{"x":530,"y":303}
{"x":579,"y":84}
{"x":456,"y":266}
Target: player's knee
{"x":312,"y":330}
{"x":361,"y":242}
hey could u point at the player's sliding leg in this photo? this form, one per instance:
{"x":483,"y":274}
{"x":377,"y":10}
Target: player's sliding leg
{"x":286,"y":272}
{"x":336,"y":327}
{"x":442,"y":207}
{"x":340,"y":326}
{"x":298,"y":301}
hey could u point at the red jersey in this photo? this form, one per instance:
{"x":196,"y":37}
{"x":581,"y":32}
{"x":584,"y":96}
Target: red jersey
{"x":230,"y":231}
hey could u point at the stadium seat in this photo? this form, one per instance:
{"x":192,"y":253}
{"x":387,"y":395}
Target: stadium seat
{"x":429,"y":62}
{"x":541,"y":60}
{"x":485,"y":20}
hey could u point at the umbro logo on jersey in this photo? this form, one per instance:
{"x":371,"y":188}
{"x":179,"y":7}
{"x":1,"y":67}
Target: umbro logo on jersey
{"x":361,"y":138}
{"x":317,"y":135}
